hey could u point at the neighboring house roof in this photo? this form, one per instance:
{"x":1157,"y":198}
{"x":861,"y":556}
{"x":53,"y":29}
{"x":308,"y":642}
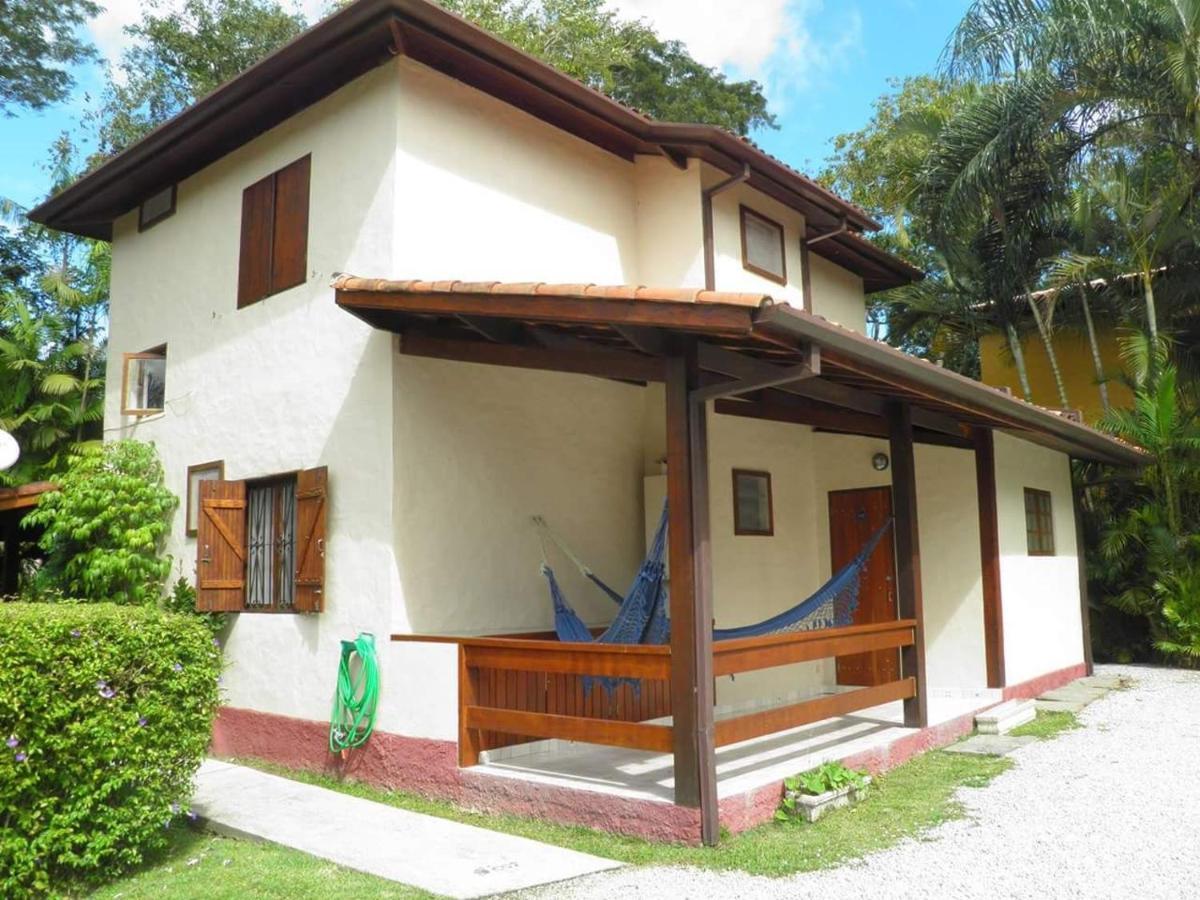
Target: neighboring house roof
{"x":366,"y":34}
{"x":752,"y":324}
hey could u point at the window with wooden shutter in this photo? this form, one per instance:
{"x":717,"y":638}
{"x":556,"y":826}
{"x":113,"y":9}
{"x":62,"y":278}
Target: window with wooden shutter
{"x":274,"y":243}
{"x":221,"y":547}
{"x":261,"y":544}
{"x":312,"y":502}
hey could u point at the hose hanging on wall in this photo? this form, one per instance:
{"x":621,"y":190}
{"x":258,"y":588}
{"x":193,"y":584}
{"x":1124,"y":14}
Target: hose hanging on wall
{"x":353,"y":716}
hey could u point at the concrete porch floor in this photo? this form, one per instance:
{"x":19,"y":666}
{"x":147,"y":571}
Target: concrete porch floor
{"x":741,"y":768}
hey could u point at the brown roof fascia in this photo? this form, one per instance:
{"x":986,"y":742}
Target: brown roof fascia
{"x":360,"y":37}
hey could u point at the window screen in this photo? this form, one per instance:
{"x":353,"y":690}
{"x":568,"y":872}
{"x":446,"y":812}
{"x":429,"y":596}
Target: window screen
{"x":752,"y":512}
{"x":762,"y":246}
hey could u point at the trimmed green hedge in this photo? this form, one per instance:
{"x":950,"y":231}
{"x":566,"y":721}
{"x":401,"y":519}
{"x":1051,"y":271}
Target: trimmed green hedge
{"x":105,"y":714}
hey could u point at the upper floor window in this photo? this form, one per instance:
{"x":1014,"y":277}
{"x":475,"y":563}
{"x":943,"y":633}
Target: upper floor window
{"x":1039,"y":522}
{"x":156,"y":207}
{"x":144,"y":382}
{"x":762,"y":246}
{"x":274,"y":250}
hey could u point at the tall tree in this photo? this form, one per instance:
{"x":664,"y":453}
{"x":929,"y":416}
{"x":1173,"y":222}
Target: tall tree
{"x":180,"y":53}
{"x":38,"y":38}
{"x":624,"y":59}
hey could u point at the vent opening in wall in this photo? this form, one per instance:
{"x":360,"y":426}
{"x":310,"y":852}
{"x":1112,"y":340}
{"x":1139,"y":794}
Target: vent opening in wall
{"x":156,"y":207}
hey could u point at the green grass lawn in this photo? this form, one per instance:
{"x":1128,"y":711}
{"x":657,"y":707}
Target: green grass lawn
{"x":202,"y":866}
{"x":1048,"y":725}
{"x":906,"y":801}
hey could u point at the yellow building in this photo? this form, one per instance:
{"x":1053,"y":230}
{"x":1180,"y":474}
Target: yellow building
{"x":1075,"y":361}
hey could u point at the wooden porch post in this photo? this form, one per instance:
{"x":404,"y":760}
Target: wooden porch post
{"x":908,"y":557}
{"x":691,"y":594}
{"x":989,"y":555}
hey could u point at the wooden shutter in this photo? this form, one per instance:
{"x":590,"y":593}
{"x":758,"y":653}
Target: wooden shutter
{"x":221,"y":547}
{"x":289,"y":256}
{"x":312,"y":503}
{"x":254,"y":261}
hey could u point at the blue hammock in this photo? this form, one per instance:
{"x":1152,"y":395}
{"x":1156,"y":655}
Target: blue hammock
{"x":642,"y":614}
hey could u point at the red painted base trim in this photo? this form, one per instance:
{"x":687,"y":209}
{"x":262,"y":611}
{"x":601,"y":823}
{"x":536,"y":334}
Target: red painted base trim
{"x":430,"y":768}
{"x":1035,"y":687}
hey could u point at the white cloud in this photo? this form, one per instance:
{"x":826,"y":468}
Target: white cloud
{"x":790,"y":46}
{"x":740,"y":34}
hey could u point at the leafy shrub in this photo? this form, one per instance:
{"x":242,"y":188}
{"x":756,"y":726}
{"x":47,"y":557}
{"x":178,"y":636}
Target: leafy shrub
{"x":182,"y":599}
{"x":105,"y":526}
{"x":832,"y":776}
{"x":105,"y":715}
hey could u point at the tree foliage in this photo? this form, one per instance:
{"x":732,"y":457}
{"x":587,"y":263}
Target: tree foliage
{"x":179,"y":53}
{"x":104,"y":528}
{"x":38,"y":38}
{"x":624,"y":59}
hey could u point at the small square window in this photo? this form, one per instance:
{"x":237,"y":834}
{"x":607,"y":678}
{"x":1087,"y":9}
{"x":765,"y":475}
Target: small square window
{"x":143,"y":391}
{"x":1039,"y":523}
{"x":752,"y":513}
{"x":156,"y":207}
{"x":209,"y":471}
{"x":762,"y":246}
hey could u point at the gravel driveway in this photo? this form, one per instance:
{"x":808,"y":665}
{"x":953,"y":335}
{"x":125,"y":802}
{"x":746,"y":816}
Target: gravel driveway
{"x":1111,"y":810}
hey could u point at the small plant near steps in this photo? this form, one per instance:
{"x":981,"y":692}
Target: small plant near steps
{"x":811,"y":794}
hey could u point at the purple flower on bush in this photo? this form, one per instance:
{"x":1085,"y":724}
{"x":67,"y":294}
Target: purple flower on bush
{"x":75,"y":632}
{"x":143,"y":721}
{"x":20,"y":757}
{"x":104,"y":690}
{"x":192,"y":815}
{"x":12,"y":743}
{"x":216,"y":643}
{"x":174,"y":809}
{"x":178,"y":667}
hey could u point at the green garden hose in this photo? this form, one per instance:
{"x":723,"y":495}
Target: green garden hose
{"x":353,"y":716}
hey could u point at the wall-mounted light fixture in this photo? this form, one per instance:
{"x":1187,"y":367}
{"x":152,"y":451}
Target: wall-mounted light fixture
{"x":880,"y":462}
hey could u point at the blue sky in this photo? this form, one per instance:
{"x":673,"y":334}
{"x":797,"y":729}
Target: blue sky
{"x":822,"y":63}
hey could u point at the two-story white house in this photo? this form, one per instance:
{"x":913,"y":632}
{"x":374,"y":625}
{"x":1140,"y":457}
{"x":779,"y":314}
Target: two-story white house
{"x":400,"y":287}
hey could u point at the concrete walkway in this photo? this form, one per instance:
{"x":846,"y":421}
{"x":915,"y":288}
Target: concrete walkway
{"x":437,"y":855}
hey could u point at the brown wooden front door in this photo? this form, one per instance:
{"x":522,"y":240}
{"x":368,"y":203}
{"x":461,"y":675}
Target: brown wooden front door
{"x":854,"y":516}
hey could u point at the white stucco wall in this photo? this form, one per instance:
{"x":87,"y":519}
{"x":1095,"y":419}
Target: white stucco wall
{"x":727,"y":241}
{"x":287,"y":383}
{"x":1042,"y":625}
{"x":838,"y":294}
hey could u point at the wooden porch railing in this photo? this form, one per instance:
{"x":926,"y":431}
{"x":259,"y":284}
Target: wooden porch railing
{"x":513,"y":689}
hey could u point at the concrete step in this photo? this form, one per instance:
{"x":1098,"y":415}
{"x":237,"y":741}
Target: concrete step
{"x":1005,"y":717}
{"x":1061,"y":706}
{"x":990,"y":744}
{"x":1074,"y":693}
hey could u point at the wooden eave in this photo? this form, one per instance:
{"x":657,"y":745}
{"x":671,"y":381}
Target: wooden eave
{"x":25,"y":496}
{"x":367,"y":34}
{"x":627,"y":333}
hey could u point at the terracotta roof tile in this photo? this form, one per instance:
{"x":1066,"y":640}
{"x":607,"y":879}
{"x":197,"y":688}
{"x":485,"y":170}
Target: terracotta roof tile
{"x":631,"y":292}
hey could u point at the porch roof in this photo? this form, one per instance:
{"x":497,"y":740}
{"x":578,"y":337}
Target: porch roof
{"x":752,"y":351}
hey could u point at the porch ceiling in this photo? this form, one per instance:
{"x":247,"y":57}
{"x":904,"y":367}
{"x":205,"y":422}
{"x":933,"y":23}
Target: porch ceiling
{"x":771,"y":360}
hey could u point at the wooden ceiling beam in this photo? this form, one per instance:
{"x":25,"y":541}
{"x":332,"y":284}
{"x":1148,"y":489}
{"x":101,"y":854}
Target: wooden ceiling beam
{"x":600,"y":362}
